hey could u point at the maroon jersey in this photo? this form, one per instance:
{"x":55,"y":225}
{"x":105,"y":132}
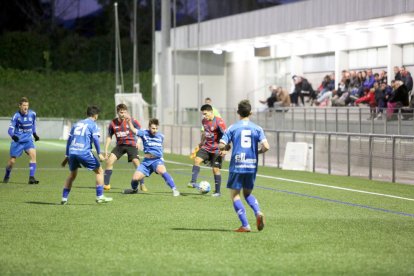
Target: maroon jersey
{"x":124,"y":136}
{"x":213,"y":131}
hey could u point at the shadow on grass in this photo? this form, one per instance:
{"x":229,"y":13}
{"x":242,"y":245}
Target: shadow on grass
{"x":202,"y":229}
{"x":18,"y":183}
{"x":53,"y":203}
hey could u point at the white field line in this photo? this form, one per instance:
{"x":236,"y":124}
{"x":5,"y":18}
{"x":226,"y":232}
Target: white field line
{"x":313,"y":184}
{"x":53,"y":144}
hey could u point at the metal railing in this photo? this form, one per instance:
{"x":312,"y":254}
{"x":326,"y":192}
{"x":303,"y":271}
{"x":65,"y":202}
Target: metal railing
{"x":330,"y":119}
{"x":373,"y":156}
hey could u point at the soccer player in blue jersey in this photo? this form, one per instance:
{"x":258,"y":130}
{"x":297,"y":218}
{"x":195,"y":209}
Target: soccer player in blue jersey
{"x":21,"y":129}
{"x":153,"y":152}
{"x":246,"y":138}
{"x":79,"y":153}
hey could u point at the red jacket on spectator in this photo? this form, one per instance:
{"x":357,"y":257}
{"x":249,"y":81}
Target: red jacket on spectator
{"x":368,"y":98}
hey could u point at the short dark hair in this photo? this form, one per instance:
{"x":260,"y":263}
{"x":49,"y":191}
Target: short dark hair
{"x":92,"y":110}
{"x":153,"y":121}
{"x":121,"y":107}
{"x":244,"y":109}
{"x":23,"y":100}
{"x":206,"y":107}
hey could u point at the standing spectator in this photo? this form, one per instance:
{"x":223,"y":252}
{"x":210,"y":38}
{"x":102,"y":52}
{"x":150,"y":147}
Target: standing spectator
{"x":79,"y":153}
{"x":21,"y":129}
{"x":245,"y":137}
{"x":126,"y":143}
{"x":407,"y":79}
{"x":397,"y":73}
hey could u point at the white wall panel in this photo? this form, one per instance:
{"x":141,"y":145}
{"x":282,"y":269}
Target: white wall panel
{"x":287,"y":18}
{"x":408,"y":54}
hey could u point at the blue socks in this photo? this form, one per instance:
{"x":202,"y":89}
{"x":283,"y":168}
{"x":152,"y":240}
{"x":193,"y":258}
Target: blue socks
{"x":241,"y":212}
{"x":8,"y":171}
{"x":99,"y":190}
{"x":195,"y":172}
{"x":217,"y":182}
{"x":65,"y":193}
{"x":253,"y":203}
{"x":32,"y":167}
{"x":134,"y":184}
{"x":168,"y":179}
{"x":107,"y":176}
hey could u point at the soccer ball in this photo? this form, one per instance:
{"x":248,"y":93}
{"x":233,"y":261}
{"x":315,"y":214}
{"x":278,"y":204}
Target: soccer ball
{"x":204,"y":187}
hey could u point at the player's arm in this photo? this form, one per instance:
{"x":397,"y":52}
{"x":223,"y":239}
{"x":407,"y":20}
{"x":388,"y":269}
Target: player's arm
{"x":107,"y":143}
{"x":264,"y":146}
{"x":12,"y":127}
{"x":98,"y":147}
{"x":66,"y":159}
{"x":34,"y":128}
{"x":130,"y":124}
{"x":202,"y":139}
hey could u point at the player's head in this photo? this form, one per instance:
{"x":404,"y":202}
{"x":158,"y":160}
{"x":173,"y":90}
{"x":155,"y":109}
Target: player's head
{"x":24,"y":105}
{"x":244,"y":109}
{"x":93,"y":111}
{"x":121,"y":110}
{"x":207,"y":111}
{"x":207,"y":100}
{"x":153,"y":125}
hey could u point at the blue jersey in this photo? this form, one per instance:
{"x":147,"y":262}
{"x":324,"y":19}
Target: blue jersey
{"x":152,"y":143}
{"x":81,"y":136}
{"x":245,"y":137}
{"x":23,"y":125}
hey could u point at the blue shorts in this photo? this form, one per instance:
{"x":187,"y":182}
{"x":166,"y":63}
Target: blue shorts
{"x":87,"y":160}
{"x":148,"y":166}
{"x":237,"y":181}
{"x":17,"y":148}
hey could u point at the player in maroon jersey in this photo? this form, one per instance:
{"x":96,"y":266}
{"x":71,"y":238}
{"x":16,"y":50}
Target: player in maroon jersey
{"x":213,"y":129}
{"x":126,"y":143}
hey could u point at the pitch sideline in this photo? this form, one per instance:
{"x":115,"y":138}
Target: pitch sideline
{"x":311,"y":183}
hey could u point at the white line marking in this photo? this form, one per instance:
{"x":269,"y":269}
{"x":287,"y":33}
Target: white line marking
{"x":53,"y":144}
{"x":311,"y":183}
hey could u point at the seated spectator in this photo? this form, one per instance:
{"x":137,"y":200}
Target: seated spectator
{"x":380,"y":99}
{"x":283,"y":98}
{"x":272,"y":99}
{"x":369,"y":99}
{"x":398,"y":99}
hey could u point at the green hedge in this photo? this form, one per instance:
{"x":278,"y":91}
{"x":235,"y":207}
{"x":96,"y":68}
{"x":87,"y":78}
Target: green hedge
{"x":59,"y":94}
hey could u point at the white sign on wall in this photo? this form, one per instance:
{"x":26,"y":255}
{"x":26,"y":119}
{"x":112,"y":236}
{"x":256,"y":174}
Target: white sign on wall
{"x":298,"y":156}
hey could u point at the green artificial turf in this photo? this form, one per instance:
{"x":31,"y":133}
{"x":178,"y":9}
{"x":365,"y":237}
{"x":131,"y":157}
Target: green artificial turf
{"x":310,"y":229}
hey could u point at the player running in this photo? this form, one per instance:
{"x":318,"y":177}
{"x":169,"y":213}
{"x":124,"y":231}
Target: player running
{"x":153,"y":152}
{"x":79,"y":153}
{"x":245,"y":137}
{"x":22,"y":127}
{"x":126,"y":143}
{"x":213,"y":129}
